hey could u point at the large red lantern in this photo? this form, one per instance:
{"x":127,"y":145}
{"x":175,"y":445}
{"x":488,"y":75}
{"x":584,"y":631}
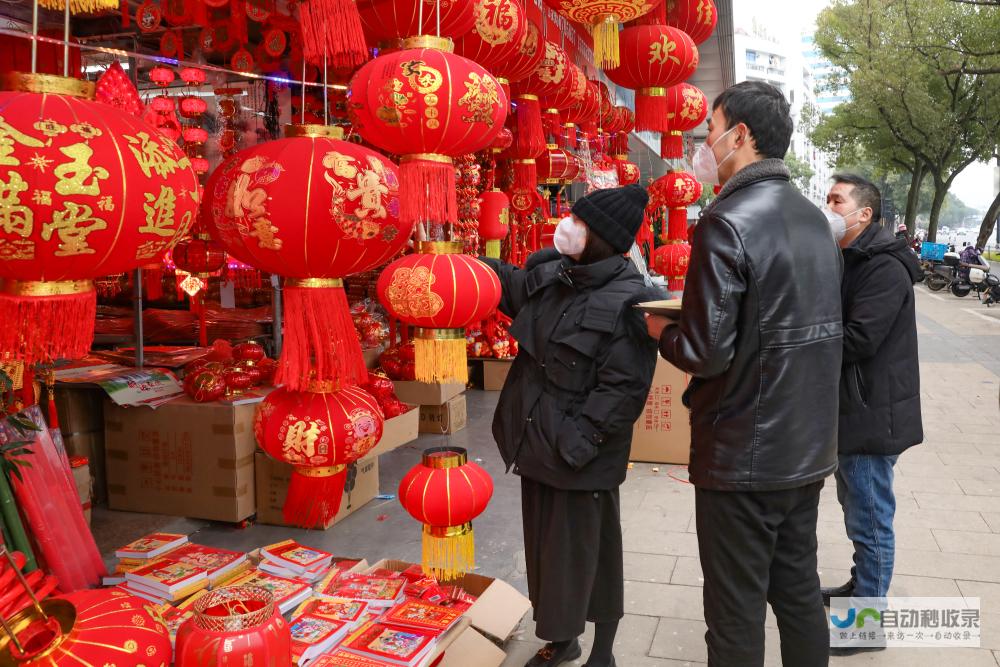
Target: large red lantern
{"x":603,"y":18}
{"x":427,"y":105}
{"x":319,"y":432}
{"x":311,"y":208}
{"x":500,"y":29}
{"x":494,"y":220}
{"x":90,"y":627}
{"x":445,"y":492}
{"x":687,"y":108}
{"x":671,"y":261}
{"x":655,"y":57}
{"x":235,"y":626}
{"x":695,"y":17}
{"x":529,"y":54}
{"x":86,"y":190}
{"x":388,"y":20}
{"x":440,"y":291}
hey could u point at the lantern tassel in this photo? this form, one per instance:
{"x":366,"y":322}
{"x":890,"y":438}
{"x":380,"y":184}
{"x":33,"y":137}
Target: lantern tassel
{"x":677,"y":221}
{"x":449,"y":553}
{"x":440,"y":356}
{"x":525,"y":175}
{"x":45,"y":328}
{"x":529,"y":137}
{"x":493,"y":248}
{"x":320,"y":338}
{"x":152,"y":282}
{"x":651,"y":110}
{"x":606,"y":43}
{"x":427,"y":189}
{"x":671,"y":145}
{"x":332,"y":27}
{"x":314,"y":496}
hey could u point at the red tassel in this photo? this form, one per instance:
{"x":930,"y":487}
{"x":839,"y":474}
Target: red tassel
{"x":671,"y":145}
{"x":152,"y":282}
{"x":525,"y":175}
{"x":529,"y":139}
{"x":320,"y":341}
{"x":651,"y":111}
{"x":44,"y":328}
{"x":53,"y":413}
{"x":28,"y":386}
{"x":333,"y":28}
{"x":313,"y":501}
{"x":678,"y":224}
{"x":427,"y":190}
{"x":550,"y":119}
{"x":675,"y":284}
{"x":126,"y":20}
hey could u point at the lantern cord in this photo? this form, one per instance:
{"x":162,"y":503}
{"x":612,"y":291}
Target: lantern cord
{"x":420,"y":17}
{"x":326,"y":119}
{"x":438,"y":18}
{"x":34,"y":35}
{"x":65,"y":39}
{"x":303,"y":109}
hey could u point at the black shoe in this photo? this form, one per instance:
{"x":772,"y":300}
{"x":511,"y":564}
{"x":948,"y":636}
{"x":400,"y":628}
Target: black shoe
{"x":550,"y":656}
{"x":844,"y":651}
{"x":844,"y":591}
{"x":610,"y":664}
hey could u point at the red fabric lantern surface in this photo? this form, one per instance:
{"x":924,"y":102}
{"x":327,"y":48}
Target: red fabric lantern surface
{"x":436,"y":289}
{"x":494,"y":220}
{"x":90,"y":627}
{"x":655,"y":57}
{"x":199,"y":256}
{"x":429,"y":106}
{"x":311,"y":208}
{"x":235,"y":625}
{"x":319,"y":433}
{"x":387,"y":20}
{"x":687,"y":108}
{"x":445,"y":492}
{"x":204,"y":386}
{"x":675,"y":191}
{"x":584,"y":114}
{"x":671,"y":261}
{"x":628,"y":172}
{"x":695,"y":17}
{"x":86,"y":190}
{"x":554,"y":166}
{"x":497,"y":36}
{"x":249,"y":351}
{"x":603,"y":19}
{"x":529,"y":54}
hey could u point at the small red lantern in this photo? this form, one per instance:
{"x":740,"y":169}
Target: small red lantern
{"x":194,"y":135}
{"x":494,"y":220}
{"x":200,"y":165}
{"x":204,"y":386}
{"x":198,"y":256}
{"x":319,"y":432}
{"x":695,"y":17}
{"x":162,"y":104}
{"x":193,"y":76}
{"x":235,"y":625}
{"x":249,"y":351}
{"x":554,"y":166}
{"x":192,"y":107}
{"x":675,"y":190}
{"x":603,"y":19}
{"x":671,"y":261}
{"x":445,"y":492}
{"x":161,"y":76}
{"x":687,"y":108}
{"x":628,"y":172}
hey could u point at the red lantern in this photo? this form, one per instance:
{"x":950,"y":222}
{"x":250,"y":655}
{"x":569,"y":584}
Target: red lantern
{"x":441,"y":291}
{"x":200,"y":165}
{"x":554,"y":166}
{"x":427,"y":105}
{"x":319,"y":432}
{"x":529,"y":54}
{"x":311,"y":208}
{"x":655,"y":57}
{"x":628,"y":172}
{"x":687,"y":108}
{"x":494,"y":220}
{"x":675,"y":190}
{"x":389,"y":20}
{"x":249,"y":351}
{"x":497,"y":36}
{"x":192,"y":107}
{"x":603,"y":19}
{"x":194,"y":135}
{"x":235,"y":625}
{"x":445,"y":492}
{"x":161,"y":76}
{"x":695,"y":17}
{"x":90,"y":627}
{"x":204,"y":386}
{"x":193,"y":76}
{"x":86,"y":190}
{"x":671,"y":261}
{"x":199,"y":256}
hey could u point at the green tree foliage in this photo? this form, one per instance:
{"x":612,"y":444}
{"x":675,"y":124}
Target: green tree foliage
{"x":801,"y":171}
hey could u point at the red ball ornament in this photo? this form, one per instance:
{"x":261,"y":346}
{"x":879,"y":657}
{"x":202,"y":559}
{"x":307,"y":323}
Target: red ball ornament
{"x":249,"y":351}
{"x":161,"y":76}
{"x":695,"y":17}
{"x":389,"y":20}
{"x":311,"y":208}
{"x":445,"y":492}
{"x":192,"y":107}
{"x":193,"y":76}
{"x":204,"y":386}
{"x":687,"y":108}
{"x":318,"y":432}
{"x":237,"y":380}
{"x":194,"y":135}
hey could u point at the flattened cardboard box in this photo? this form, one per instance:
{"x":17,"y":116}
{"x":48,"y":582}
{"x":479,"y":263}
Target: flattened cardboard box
{"x":397,"y":431}
{"x":662,"y":434}
{"x":426,"y":393}
{"x":495,"y":373}
{"x":183,"y":459}
{"x":273,"y":477}
{"x":444,"y":419}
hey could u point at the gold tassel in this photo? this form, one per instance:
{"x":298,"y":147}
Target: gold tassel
{"x":449,"y":553}
{"x":80,"y":6}
{"x":605,"y":36}
{"x":439,"y":355}
{"x":493,"y":248}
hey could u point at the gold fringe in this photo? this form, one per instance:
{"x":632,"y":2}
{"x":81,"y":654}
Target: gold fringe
{"x":493,"y":248}
{"x":80,"y":6}
{"x":440,"y":360}
{"x":606,"y":44}
{"x":448,"y":558}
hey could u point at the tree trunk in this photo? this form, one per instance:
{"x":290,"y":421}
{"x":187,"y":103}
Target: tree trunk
{"x":989,"y":222}
{"x":913,"y":198}
{"x":940,"y":193}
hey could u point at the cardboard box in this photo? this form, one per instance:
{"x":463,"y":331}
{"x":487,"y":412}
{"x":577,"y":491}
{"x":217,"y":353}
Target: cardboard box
{"x":495,"y":373}
{"x":184,"y":459}
{"x":398,"y":431}
{"x":444,"y":419}
{"x":495,"y":615}
{"x":80,"y":409}
{"x":81,"y":475}
{"x":426,"y":393}
{"x":662,"y":434}
{"x":371,"y":356}
{"x":91,"y":446}
{"x":273,"y":477}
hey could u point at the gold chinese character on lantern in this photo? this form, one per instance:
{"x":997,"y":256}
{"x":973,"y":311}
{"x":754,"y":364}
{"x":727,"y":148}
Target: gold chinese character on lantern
{"x":73,"y":225}
{"x":9,"y":137}
{"x":49,"y":128}
{"x":14,"y":217}
{"x":106,"y":203}
{"x":152,"y":157}
{"x":160,"y":212}
{"x":409,"y":293}
{"x":77,"y":177}
{"x":423,"y":78}
{"x":266,"y":234}
{"x":481,"y":97}
{"x":42,"y":197}
{"x":661,"y":52}
{"x":300,"y":441}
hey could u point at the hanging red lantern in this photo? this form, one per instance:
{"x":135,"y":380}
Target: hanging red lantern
{"x":319,"y":432}
{"x":249,"y":351}
{"x":603,"y":19}
{"x":676,"y":191}
{"x":671,"y":261}
{"x":161,"y":76}
{"x":494,"y":220}
{"x":554,"y":166}
{"x":628,"y":172}
{"x":695,"y":17}
{"x":429,"y":106}
{"x":235,"y":625}
{"x":198,"y":256}
{"x":655,"y":57}
{"x":192,"y":107}
{"x":440,"y":291}
{"x":193,"y":76}
{"x":87,"y":190}
{"x":200,"y":165}
{"x":314,"y":209}
{"x":496,"y":37}
{"x":687,"y":108}
{"x":445,"y":492}
{"x":529,"y":54}
{"x":390,"y":20}
{"x":194,"y":135}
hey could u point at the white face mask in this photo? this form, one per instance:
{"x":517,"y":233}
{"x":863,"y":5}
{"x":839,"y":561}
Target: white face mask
{"x":838,"y":222}
{"x":570,"y":237}
{"x":706,"y":166}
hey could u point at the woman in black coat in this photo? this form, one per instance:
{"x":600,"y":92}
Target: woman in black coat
{"x":564,"y":420}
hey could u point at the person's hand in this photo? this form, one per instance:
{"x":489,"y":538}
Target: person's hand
{"x":655,"y":324}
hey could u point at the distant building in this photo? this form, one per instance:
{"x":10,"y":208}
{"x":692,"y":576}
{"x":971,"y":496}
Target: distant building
{"x":821,"y":69}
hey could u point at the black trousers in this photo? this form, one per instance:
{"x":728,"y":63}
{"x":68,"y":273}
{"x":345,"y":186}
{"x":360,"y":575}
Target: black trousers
{"x":758,"y":548}
{"x":573,"y":552}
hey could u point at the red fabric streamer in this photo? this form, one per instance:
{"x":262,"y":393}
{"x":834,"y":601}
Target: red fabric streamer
{"x":67,"y":319}
{"x":332,"y":28}
{"x":312,"y":501}
{"x":432,"y":185}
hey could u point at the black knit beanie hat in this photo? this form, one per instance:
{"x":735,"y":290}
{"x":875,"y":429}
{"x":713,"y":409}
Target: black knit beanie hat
{"x":614,"y":214}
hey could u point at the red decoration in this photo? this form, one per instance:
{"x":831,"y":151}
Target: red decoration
{"x":496,"y":38}
{"x":242,"y":61}
{"x":388,"y":20}
{"x":199,"y":256}
{"x":115,"y":88}
{"x":529,"y":54}
{"x":274,"y":41}
{"x":603,"y":19}
{"x":554,"y":167}
{"x":249,"y":351}
{"x":235,"y":625}
{"x":671,"y":261}
{"x":331,"y":33}
{"x":571,"y":93}
{"x":194,"y":135}
{"x":687,"y":108}
{"x":204,"y":386}
{"x":193,"y":76}
{"x":655,"y":57}
{"x":494,"y":220}
{"x":90,"y":191}
{"x":192,"y":107}
{"x":200,"y":165}
{"x":161,"y":76}
{"x":311,"y":208}
{"x":628,"y":172}
{"x":319,"y":432}
{"x":445,"y":492}
{"x":695,"y":17}
{"x":148,"y":17}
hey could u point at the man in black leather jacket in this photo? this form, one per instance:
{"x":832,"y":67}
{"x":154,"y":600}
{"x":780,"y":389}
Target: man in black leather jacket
{"x":760,"y":334}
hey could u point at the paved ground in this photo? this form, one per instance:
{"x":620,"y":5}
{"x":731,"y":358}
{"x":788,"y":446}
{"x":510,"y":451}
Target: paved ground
{"x":948,"y":518}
